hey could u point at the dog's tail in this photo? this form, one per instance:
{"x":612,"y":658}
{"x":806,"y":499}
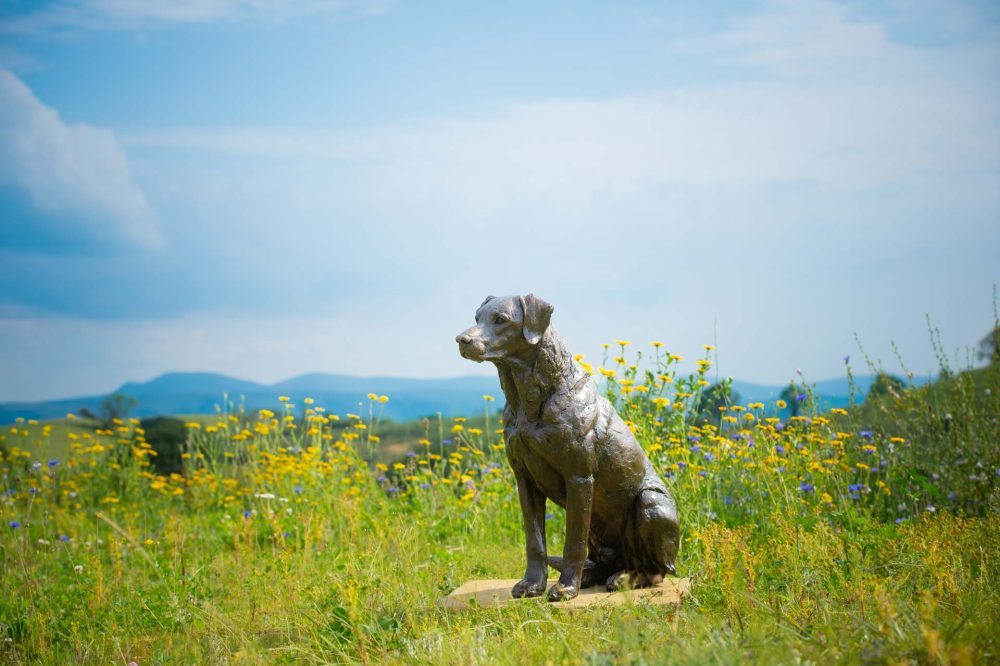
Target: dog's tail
{"x":557,"y":563}
{"x":591,"y":572}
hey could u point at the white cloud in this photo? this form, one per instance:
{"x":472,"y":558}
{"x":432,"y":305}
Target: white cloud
{"x":74,"y":170}
{"x":794,"y":36}
{"x":839,"y":135}
{"x":811,"y":197}
{"x":82,"y":15}
{"x":835,"y":103}
{"x":850,"y":184}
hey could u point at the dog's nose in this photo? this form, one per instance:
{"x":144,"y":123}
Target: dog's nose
{"x":463,"y":338}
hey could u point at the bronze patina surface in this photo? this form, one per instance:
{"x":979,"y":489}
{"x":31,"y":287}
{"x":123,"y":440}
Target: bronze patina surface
{"x":566,"y":443}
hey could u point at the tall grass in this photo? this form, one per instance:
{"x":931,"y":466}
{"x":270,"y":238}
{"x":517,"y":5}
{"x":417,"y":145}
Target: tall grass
{"x":289,"y":537}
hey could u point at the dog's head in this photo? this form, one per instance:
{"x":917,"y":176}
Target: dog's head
{"x":505,"y":327}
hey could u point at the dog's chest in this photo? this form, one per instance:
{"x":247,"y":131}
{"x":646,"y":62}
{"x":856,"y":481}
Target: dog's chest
{"x":530,"y":455}
{"x":527,"y":443}
{"x":533,"y":448}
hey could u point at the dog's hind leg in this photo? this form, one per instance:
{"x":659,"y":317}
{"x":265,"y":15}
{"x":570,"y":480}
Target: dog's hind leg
{"x":617,"y":581}
{"x":657,"y":536}
{"x":652,"y":536}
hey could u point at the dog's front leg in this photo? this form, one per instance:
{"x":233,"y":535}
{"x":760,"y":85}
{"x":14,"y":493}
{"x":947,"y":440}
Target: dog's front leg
{"x":579,"y":498}
{"x":533,"y":512}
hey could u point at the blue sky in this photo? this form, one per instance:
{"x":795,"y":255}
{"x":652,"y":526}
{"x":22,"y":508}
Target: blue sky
{"x":270,"y":188}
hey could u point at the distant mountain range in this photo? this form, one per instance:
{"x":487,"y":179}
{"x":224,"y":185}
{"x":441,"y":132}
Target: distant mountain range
{"x":204,"y":393}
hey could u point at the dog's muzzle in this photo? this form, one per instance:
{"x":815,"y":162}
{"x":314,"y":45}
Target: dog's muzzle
{"x":470,"y":346}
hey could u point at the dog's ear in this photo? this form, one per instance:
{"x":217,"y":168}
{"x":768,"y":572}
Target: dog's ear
{"x":488,"y":299}
{"x":537,"y":314}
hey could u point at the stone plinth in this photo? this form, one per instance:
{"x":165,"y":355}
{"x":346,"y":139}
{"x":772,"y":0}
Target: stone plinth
{"x":493,"y":593}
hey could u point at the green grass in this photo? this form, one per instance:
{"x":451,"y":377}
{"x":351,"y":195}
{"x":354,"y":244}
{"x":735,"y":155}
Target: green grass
{"x":952,"y":430}
{"x":111,"y":563}
{"x":49,"y":438}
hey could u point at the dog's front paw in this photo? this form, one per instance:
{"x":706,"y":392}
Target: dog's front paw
{"x":528,"y":588}
{"x":560,"y":592}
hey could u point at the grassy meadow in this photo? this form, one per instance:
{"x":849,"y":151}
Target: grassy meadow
{"x":866,"y":535}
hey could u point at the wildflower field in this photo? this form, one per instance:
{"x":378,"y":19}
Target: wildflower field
{"x":292,"y":535}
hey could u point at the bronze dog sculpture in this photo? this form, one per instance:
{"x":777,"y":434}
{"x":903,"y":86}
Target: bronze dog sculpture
{"x":566,"y":443}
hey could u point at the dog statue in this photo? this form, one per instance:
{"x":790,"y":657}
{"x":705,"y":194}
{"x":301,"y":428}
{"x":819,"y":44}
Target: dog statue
{"x":566,"y":443}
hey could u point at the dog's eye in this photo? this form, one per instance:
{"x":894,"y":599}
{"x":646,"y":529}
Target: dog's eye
{"x":499,"y":319}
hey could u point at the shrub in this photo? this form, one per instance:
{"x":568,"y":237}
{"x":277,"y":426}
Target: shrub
{"x":167,"y":436}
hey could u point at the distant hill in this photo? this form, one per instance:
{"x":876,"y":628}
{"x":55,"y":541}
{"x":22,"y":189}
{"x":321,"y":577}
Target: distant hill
{"x":830,"y":392}
{"x":186,"y":383}
{"x":203,"y":393}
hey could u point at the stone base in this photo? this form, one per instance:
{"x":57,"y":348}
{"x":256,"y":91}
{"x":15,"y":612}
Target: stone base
{"x":493,"y":593}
